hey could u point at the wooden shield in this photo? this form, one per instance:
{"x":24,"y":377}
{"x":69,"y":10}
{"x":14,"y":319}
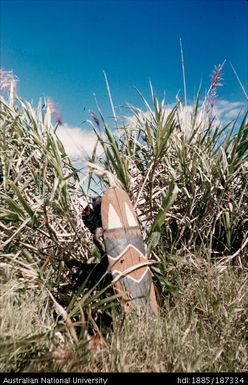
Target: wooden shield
{"x":126,"y":251}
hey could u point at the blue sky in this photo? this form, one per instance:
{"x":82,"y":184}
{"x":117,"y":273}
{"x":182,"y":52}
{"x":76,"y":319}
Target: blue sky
{"x":58,"y":48}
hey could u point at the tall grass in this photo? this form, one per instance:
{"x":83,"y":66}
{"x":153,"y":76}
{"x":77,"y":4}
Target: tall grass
{"x":181,"y":159}
{"x":43,"y":241}
{"x":187,"y":178}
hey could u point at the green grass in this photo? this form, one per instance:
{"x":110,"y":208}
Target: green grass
{"x":188,"y":183}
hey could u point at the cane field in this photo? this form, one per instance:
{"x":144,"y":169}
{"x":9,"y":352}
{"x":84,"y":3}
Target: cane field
{"x":186,"y":173}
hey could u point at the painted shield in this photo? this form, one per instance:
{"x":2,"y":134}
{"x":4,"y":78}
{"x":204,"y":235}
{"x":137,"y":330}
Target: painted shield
{"x":126,"y":251}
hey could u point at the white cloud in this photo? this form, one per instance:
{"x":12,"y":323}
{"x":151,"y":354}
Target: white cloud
{"x":223,"y":112}
{"x":227,"y":110}
{"x":78,"y":143}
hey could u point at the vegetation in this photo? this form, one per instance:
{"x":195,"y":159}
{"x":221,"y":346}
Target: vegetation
{"x":187,"y":176}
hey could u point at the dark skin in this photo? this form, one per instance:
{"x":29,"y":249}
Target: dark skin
{"x":91,"y":216}
{"x":92,"y":219}
{"x":92,"y":274}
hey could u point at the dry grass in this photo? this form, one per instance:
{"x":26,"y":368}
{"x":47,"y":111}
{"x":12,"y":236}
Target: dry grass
{"x":26,"y":323}
{"x":202,"y":327}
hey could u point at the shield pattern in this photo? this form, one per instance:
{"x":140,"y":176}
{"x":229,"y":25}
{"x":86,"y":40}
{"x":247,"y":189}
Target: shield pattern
{"x":126,"y":251}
